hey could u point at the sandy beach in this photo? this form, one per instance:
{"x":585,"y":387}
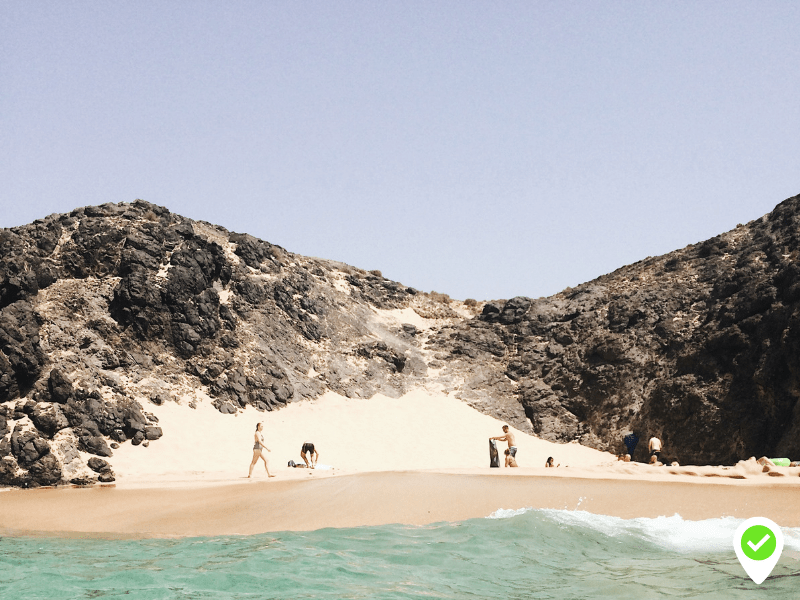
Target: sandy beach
{"x":419,"y":459}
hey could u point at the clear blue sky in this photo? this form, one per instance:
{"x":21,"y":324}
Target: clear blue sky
{"x":482,"y":149}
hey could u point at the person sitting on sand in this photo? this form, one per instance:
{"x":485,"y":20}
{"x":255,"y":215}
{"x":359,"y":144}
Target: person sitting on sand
{"x":510,"y":461}
{"x":507,"y":437}
{"x":655,"y":448}
{"x":549,"y":463}
{"x":257,"y":448}
{"x":655,"y":462}
{"x":308,"y":449}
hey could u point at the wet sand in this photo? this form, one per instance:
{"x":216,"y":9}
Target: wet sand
{"x":408,"y":497}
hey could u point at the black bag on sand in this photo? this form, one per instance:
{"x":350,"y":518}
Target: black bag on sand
{"x":494,"y":457}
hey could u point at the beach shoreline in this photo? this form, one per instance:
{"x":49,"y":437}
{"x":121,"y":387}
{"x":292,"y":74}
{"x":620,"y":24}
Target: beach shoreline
{"x":415,"y":498}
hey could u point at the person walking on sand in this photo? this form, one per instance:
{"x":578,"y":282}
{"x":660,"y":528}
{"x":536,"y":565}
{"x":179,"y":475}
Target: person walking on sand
{"x":257,"y":451}
{"x":313,"y":455}
{"x":655,"y":448}
{"x":507,"y":437}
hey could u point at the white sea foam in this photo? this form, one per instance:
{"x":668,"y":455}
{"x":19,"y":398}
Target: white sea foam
{"x":671,"y":533}
{"x":507,"y":513}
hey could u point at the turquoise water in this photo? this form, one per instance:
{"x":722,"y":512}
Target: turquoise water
{"x":513,"y":554}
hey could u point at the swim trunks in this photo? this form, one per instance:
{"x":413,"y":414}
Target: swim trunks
{"x":512,"y":451}
{"x":308,"y":448}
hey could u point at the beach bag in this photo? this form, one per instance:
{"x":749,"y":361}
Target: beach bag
{"x":292,"y":463}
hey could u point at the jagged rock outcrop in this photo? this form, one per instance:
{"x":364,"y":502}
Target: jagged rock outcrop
{"x":112,"y":307}
{"x":698,"y":347}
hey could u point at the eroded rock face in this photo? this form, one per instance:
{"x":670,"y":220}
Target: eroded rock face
{"x":111,"y":308}
{"x":698,"y":347}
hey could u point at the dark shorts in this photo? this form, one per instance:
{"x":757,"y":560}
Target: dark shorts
{"x":656,"y":453}
{"x":308,"y":448}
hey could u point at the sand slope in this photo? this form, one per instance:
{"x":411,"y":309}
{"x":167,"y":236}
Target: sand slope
{"x":420,"y":430}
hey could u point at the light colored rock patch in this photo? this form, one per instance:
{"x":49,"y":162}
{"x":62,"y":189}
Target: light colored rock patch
{"x":339,"y":282}
{"x":64,"y":448}
{"x":399,"y":316}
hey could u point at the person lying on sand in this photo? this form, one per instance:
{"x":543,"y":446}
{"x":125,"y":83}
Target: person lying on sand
{"x":550,"y":461}
{"x":257,"y":451}
{"x":508,"y":437}
{"x":624,"y":457}
{"x":510,"y":461}
{"x":308,"y":449}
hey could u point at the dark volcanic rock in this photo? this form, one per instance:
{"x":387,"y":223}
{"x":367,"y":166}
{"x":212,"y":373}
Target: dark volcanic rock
{"x":696,"y":347}
{"x":98,"y":465}
{"x":49,"y":419}
{"x":27,"y":446}
{"x":699,"y":347}
{"x":46,"y":470}
{"x":60,"y":386}
{"x":21,"y":357}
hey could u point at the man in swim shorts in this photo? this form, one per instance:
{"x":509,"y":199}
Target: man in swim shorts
{"x":507,"y":437}
{"x":655,"y":448}
{"x":309,"y":452}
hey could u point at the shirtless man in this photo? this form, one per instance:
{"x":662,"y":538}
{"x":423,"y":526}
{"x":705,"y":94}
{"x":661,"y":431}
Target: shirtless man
{"x":655,"y":447}
{"x":508,"y":437}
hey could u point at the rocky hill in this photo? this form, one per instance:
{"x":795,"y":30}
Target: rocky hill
{"x":110,"y":308}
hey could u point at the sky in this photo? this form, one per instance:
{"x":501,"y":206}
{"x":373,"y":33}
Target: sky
{"x":481,"y":149}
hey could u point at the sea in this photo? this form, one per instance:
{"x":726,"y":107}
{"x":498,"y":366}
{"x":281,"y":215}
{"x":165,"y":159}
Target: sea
{"x":522,"y":553}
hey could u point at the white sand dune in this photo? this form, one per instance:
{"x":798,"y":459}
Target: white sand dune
{"x":418,"y":431}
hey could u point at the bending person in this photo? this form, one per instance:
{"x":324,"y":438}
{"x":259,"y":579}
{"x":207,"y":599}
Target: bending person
{"x":308,"y":452}
{"x":257,"y":450}
{"x":507,"y":437}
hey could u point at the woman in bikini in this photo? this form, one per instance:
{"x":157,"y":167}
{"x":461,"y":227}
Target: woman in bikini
{"x":257,"y":448}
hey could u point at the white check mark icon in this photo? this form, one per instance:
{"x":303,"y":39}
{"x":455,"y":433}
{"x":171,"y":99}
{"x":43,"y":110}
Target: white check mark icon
{"x":755,"y":547}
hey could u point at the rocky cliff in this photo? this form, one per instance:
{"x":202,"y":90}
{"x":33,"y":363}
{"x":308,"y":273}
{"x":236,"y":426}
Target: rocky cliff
{"x":110,"y":308}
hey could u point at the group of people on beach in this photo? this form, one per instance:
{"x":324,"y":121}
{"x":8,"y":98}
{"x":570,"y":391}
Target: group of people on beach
{"x":511,"y":451}
{"x":653,"y":447}
{"x":310,"y":456}
{"x":308,"y":453}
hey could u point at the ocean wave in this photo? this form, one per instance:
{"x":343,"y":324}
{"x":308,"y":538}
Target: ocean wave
{"x":673,"y":533}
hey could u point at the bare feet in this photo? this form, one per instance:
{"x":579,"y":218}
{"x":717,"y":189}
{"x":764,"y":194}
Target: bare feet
{"x":272,"y":475}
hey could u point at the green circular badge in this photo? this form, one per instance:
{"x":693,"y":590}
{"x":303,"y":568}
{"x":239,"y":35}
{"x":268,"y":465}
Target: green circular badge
{"x":758,"y":542}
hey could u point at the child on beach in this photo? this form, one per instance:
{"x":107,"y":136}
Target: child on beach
{"x":510,"y":461}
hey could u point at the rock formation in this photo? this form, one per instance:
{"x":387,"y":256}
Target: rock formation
{"x":109,"y":308}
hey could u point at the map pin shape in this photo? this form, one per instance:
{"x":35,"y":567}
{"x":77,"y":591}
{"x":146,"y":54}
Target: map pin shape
{"x":758,"y":543}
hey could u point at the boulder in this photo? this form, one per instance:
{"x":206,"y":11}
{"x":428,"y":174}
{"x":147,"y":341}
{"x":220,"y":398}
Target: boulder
{"x":152,"y":433}
{"x":98,"y":465}
{"x":49,"y":419}
{"x":60,"y":386}
{"x":46,"y":470}
{"x":27,"y":446}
